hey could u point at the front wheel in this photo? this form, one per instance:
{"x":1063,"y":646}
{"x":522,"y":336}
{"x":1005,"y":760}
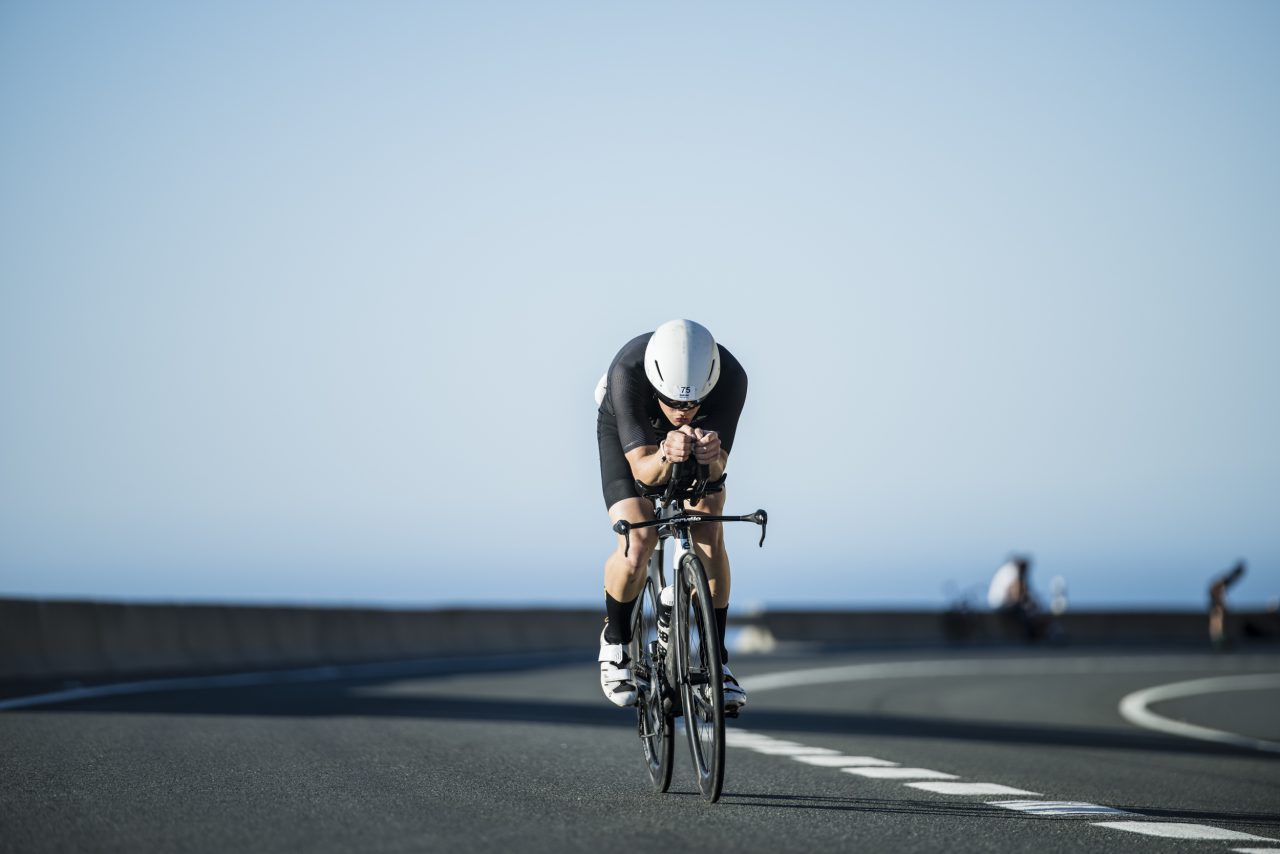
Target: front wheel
{"x":654,"y":724}
{"x":702,"y":679}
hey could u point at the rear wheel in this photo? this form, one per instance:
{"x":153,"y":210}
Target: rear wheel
{"x":702,"y":683}
{"x":654,"y":724}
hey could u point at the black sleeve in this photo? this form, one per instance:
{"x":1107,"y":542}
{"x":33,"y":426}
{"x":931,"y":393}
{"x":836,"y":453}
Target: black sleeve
{"x":630,"y":395}
{"x":728,"y":398}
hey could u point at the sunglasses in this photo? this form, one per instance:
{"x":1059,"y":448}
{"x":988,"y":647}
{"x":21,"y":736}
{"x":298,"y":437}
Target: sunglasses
{"x":680,"y":405}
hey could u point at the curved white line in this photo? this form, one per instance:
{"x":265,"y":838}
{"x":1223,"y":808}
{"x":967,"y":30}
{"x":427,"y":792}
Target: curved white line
{"x":1134,"y":708}
{"x":1066,"y":666}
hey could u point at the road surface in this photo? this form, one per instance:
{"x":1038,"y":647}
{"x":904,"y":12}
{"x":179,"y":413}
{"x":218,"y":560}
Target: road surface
{"x":956,"y":751}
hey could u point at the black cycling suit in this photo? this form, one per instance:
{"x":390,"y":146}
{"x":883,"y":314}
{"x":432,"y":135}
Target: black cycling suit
{"x":629,"y":416}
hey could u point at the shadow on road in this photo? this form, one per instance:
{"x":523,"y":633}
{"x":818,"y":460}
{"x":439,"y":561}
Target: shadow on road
{"x":864,"y":805}
{"x":970,"y":809}
{"x":367,"y":698}
{"x":1270,"y":820}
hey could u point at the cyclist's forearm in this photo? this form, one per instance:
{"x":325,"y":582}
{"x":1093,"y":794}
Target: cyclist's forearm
{"x":648,"y":467}
{"x":717,"y":465}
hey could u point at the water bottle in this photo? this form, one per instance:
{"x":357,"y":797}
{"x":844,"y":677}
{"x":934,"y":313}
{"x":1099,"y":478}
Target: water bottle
{"x":666,"y":599}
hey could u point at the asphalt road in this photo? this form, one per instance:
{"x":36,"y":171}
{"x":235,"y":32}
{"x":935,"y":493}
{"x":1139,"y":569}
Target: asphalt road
{"x":833,"y":753}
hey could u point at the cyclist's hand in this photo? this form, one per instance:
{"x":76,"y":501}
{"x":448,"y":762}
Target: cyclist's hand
{"x":679,"y":445}
{"x":707,"y":448}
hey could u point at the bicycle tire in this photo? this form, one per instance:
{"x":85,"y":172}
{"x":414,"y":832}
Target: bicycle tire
{"x":655,"y":726}
{"x":702,"y":679}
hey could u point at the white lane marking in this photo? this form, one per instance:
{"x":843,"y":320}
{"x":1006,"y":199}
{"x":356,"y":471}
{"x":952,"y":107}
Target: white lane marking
{"x":799,"y":750}
{"x":1179,"y":830}
{"x":1256,"y":850}
{"x":970,"y":789}
{"x":1134,"y":708}
{"x":763,"y":742}
{"x":991,"y":667}
{"x":844,"y":761}
{"x":747,"y":738}
{"x":1056,"y":808}
{"x":868,"y":766}
{"x":900,"y":773}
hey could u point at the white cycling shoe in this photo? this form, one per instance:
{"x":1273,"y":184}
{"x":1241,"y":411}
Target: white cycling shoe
{"x":734,"y":697}
{"x":615,"y":674}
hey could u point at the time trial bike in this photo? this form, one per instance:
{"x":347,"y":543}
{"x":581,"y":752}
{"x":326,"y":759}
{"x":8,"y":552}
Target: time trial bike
{"x":675,"y":648}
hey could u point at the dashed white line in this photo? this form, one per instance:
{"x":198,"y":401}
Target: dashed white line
{"x":1180,"y":830}
{"x":970,"y":789}
{"x":949,"y":784}
{"x":786,"y":750}
{"x":844,"y":761}
{"x":1058,"y":808}
{"x":757,"y":743}
{"x":877,"y":773}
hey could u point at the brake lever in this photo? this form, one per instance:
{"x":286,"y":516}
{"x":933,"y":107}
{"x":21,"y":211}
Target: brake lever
{"x":761,"y":518}
{"x":623,"y":529}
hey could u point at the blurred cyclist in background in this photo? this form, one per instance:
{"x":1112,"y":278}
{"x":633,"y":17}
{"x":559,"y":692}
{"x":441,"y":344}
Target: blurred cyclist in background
{"x":668,"y":396}
{"x":1218,"y":605}
{"x":1009,"y":595}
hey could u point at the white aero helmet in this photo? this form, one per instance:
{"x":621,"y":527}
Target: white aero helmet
{"x":682,"y":360}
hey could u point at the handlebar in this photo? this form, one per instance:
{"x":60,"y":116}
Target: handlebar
{"x":623,"y":528}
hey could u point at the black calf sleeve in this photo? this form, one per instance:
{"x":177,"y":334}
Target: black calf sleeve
{"x":722,"y":623}
{"x":618,"y":628}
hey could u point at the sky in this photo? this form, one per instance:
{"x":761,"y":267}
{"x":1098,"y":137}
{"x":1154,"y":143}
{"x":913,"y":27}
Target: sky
{"x":305,"y":301}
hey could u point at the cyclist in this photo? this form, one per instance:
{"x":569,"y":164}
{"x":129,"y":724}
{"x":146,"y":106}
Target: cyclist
{"x":667,"y":397}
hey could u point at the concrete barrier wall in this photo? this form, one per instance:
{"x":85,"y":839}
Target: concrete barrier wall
{"x":42,"y":639}
{"x":55,"y":639}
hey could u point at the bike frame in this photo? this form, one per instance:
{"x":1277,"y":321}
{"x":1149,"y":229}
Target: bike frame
{"x":679,"y":680}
